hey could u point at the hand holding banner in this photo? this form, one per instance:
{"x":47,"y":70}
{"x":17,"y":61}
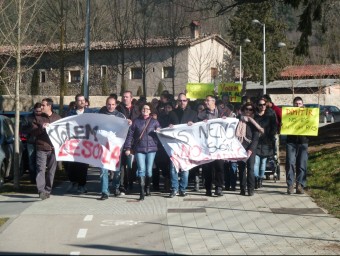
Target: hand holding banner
{"x":89,"y":138}
{"x":202,"y":142}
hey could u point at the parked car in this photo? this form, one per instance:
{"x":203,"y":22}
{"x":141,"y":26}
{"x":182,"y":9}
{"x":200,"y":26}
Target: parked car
{"x":23,"y":136}
{"x":7,"y":150}
{"x":329,"y":114}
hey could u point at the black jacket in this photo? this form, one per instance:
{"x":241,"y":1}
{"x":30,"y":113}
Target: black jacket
{"x":186,"y":115}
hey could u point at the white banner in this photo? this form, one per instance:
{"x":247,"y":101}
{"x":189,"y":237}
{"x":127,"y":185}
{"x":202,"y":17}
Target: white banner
{"x":202,"y":142}
{"x":90,"y":138}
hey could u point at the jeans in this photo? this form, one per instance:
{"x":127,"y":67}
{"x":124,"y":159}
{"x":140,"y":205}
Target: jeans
{"x":31,"y":153}
{"x":46,"y":167}
{"x":104,"y":180}
{"x":183,"y":183}
{"x":231,"y":175}
{"x":260,"y":166}
{"x":296,"y":163}
{"x":145,"y":163}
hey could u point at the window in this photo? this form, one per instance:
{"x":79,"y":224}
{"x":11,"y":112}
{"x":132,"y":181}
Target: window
{"x":168,"y":72}
{"x":214,"y":73}
{"x":74,"y":76}
{"x":136,"y":73}
{"x":103,"y":71}
{"x":42,"y":77}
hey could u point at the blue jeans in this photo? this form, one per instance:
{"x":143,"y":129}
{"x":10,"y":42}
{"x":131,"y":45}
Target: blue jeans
{"x":260,"y":166}
{"x":104,"y":180}
{"x":183,"y":183}
{"x":296,"y":163}
{"x":145,"y":163}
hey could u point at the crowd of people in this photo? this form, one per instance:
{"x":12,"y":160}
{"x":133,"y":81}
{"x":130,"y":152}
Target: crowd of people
{"x":143,"y":158}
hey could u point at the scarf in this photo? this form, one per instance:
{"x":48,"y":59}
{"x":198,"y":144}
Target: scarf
{"x":241,"y":129}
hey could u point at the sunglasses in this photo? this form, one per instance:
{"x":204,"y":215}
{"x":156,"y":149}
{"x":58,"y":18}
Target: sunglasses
{"x":249,"y":109}
{"x":182,"y":100}
{"x":261,"y":104}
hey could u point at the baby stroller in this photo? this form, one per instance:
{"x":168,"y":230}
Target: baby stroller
{"x":272,"y":168}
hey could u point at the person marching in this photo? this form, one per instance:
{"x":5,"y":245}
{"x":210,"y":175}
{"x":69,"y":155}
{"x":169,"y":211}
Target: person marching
{"x":110,"y":109}
{"x":143,"y":140}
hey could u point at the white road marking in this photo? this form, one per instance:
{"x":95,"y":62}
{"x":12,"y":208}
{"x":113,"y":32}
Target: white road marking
{"x":108,"y":223}
{"x":88,"y":218}
{"x":74,"y":253}
{"x":82,"y":233}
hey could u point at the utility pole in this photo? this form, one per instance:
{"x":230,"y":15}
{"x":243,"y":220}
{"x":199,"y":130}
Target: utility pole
{"x":87,"y":49}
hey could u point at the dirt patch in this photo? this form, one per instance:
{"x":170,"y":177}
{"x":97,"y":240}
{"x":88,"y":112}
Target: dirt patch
{"x":317,"y":148}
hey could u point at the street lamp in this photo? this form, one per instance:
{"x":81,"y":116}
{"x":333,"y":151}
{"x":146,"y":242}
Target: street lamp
{"x":245,"y":41}
{"x":264,"y":54}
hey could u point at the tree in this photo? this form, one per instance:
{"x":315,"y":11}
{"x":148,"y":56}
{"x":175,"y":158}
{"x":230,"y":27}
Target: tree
{"x":122,"y":17}
{"x":313,"y":11}
{"x":17,"y":27}
{"x":242,"y":28}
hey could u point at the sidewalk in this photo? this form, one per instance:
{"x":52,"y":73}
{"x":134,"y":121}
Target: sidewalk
{"x":270,"y":222}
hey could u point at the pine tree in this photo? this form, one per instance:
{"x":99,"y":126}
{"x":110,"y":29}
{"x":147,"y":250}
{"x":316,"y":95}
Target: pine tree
{"x":252,"y":53}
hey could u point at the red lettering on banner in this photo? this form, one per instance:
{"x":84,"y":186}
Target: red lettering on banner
{"x":86,"y":152}
{"x":88,"y":149}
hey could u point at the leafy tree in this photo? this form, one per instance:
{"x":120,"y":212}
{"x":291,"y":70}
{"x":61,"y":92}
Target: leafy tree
{"x":252,"y":54}
{"x":314,"y":11}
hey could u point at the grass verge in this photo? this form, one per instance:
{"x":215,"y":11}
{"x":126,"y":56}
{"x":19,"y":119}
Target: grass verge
{"x":324,"y":179}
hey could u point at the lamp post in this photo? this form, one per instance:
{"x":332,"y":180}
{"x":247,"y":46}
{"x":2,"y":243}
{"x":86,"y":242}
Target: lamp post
{"x":264,"y":54}
{"x":245,"y":41}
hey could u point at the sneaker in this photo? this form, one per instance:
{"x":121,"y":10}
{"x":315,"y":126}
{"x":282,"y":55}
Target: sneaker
{"x":218,"y":191}
{"x":173,"y":194}
{"x":208,"y":193}
{"x":250,"y":192}
{"x":43,"y":196}
{"x":299,"y":189}
{"x":183,"y":194}
{"x":290,"y":190}
{"x":117,"y":192}
{"x":104,"y":197}
{"x":82,"y":189}
{"x":71,"y":187}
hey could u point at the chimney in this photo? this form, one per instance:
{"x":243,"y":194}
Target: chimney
{"x":194,"y":28}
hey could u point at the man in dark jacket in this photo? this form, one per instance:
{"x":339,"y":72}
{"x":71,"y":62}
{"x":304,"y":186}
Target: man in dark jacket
{"x":188,"y":116}
{"x":45,"y":156}
{"x":76,"y":171}
{"x":217,"y":166}
{"x":110,"y":109}
{"x":30,"y":143}
{"x":296,"y":158}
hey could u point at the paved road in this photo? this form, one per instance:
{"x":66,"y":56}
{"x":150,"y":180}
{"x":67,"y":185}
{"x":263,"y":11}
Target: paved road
{"x":270,"y":222}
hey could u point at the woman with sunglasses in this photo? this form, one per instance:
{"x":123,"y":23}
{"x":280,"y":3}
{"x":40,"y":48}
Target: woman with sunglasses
{"x":247,"y":133}
{"x":266,"y":118}
{"x":142,"y":138}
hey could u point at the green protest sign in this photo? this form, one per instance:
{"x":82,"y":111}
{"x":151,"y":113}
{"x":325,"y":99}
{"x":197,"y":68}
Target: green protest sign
{"x":199,"y":90}
{"x":233,"y":90}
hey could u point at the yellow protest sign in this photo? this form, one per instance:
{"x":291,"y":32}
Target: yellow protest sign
{"x":199,"y":90}
{"x":233,"y":90}
{"x":300,"y":121}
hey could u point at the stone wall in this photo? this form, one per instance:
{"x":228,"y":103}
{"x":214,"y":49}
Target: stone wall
{"x":27,"y":101}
